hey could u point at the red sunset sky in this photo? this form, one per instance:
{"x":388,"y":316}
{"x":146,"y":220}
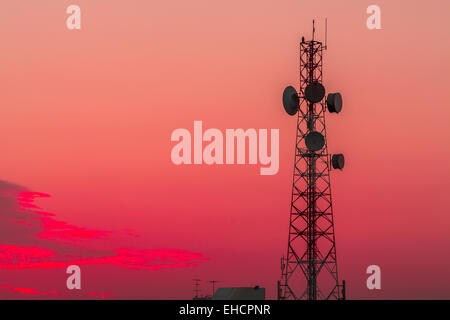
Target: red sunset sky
{"x":86,"y":117}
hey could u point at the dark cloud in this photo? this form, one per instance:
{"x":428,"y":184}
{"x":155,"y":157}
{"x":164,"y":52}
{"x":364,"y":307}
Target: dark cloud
{"x":17,"y":226}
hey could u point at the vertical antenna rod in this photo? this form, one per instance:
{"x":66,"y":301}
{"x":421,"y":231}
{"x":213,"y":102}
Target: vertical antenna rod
{"x":314,"y":30}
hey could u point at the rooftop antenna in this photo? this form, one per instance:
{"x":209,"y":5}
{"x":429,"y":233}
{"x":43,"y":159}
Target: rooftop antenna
{"x":213,"y":283}
{"x":196,"y":285}
{"x":326,"y":28}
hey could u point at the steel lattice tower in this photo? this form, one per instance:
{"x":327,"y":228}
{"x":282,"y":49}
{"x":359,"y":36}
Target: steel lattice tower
{"x":309,"y":270}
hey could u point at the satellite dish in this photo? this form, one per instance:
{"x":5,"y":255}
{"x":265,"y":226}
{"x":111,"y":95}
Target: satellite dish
{"x":290,"y":100}
{"x":314,"y":141}
{"x":338,"y":161}
{"x":314,"y":92}
{"x":334,"y":102}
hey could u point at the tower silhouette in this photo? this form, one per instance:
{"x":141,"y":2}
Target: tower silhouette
{"x":309,"y":269}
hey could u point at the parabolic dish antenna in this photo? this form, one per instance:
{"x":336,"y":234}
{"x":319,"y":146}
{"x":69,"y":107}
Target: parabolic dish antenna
{"x":314,"y":92}
{"x":290,"y":100}
{"x":334,"y":102}
{"x":314,"y":141}
{"x":338,"y":161}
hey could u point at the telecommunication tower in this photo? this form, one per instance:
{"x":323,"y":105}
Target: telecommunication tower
{"x":309,"y":270}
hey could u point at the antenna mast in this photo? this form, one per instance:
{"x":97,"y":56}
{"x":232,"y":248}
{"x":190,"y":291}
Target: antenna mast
{"x":196,"y":287}
{"x":213,"y":283}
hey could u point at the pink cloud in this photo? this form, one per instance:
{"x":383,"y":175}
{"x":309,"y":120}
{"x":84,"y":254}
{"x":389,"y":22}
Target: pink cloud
{"x":101,"y":295}
{"x":54,"y":229}
{"x":32,"y":291}
{"x":16,"y":257}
